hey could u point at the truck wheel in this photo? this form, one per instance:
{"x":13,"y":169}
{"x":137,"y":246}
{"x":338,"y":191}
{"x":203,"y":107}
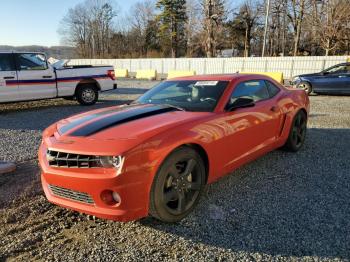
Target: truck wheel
{"x":87,"y":95}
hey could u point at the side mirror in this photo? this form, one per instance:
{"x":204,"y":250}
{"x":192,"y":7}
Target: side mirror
{"x":241,"y":102}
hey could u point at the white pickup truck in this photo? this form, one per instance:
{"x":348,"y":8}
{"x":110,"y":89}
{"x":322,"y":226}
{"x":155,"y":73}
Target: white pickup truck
{"x":28,"y":76}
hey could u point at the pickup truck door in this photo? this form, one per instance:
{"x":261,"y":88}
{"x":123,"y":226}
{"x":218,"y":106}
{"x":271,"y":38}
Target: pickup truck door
{"x":36,"y":80}
{"x":8,"y":78}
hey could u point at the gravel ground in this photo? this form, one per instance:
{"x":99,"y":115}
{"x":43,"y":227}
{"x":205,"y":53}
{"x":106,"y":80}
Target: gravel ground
{"x":281,"y":207}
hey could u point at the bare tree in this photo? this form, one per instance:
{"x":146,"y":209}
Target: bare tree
{"x":214,"y":16}
{"x":198,"y":28}
{"x":193,"y":26}
{"x":277,"y":28}
{"x":141,"y":16}
{"x":296,"y":17}
{"x":88,"y":26}
{"x":332,"y":24}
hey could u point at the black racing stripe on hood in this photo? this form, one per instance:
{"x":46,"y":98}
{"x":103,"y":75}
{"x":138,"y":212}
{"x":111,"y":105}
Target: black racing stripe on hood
{"x":66,"y":128}
{"x":121,"y":118}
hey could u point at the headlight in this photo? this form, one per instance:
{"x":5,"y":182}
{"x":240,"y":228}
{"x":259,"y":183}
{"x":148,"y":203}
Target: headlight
{"x":111,"y":161}
{"x":296,"y":79}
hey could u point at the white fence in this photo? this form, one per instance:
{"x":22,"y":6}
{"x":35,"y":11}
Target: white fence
{"x":290,"y":66}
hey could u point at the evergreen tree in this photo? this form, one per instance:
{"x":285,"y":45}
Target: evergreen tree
{"x":172,"y":19}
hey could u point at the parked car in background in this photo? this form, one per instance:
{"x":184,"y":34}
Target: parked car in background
{"x":334,"y":80}
{"x":28,"y":76}
{"x":155,"y":156}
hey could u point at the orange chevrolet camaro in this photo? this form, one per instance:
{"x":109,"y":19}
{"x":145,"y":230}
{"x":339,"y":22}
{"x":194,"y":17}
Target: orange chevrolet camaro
{"x":155,"y":155}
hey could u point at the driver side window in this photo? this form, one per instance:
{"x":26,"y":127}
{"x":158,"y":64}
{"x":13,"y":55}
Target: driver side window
{"x":31,"y":62}
{"x":342,"y":69}
{"x":254,"y":89}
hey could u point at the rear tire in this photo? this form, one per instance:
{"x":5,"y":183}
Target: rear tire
{"x":178,"y":185}
{"x":87,"y":94}
{"x":306,"y":86}
{"x":297,"y":132}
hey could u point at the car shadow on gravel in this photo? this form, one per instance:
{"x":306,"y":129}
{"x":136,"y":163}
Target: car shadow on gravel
{"x":283,"y":204}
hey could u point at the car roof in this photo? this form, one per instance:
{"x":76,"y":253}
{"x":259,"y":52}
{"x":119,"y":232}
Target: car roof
{"x":219,"y":77}
{"x":20,"y":52}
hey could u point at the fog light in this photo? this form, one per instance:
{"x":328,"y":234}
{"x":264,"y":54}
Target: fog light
{"x":110,"y":198}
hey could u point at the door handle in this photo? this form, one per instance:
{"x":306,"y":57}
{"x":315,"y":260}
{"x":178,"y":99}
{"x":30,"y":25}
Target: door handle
{"x":47,"y":76}
{"x":342,"y":76}
{"x":9,"y":77}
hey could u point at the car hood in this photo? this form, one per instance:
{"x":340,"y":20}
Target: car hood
{"x":125,"y":126}
{"x":310,"y":75}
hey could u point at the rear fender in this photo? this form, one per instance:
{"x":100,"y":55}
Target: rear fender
{"x":90,"y":81}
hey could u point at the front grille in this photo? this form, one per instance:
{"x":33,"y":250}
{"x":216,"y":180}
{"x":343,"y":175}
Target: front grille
{"x":71,"y":194}
{"x":68,"y":160}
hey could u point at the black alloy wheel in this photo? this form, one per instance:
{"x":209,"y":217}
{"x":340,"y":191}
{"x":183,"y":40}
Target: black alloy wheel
{"x":178,"y":185}
{"x":297,"y":133}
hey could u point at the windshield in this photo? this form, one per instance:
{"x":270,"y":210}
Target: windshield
{"x":201,"y":96}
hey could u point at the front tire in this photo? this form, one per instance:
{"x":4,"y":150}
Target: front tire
{"x":178,"y":185}
{"x":306,"y":86}
{"x":297,"y":132}
{"x":87,"y":94}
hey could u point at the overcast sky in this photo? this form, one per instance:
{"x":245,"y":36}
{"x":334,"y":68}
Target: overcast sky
{"x":35,"y":22}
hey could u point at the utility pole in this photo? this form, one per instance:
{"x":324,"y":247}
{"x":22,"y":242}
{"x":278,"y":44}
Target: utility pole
{"x":266,"y":25}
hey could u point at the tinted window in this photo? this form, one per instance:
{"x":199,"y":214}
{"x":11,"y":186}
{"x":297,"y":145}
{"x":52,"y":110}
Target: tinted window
{"x":255,"y":90}
{"x":6,"y":62}
{"x":31,"y":62}
{"x":190,"y":95}
{"x":341,"y":69}
{"x":273,"y":90}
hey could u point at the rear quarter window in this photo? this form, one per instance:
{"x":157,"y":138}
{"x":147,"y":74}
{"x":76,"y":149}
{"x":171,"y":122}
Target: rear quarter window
{"x":273,"y":89}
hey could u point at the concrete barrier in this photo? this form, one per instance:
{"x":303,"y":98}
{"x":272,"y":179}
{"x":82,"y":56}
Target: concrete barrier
{"x":277,"y":76}
{"x":177,"y":73}
{"x":121,"y":72}
{"x":146,"y":74}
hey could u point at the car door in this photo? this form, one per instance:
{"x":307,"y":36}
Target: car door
{"x":36,"y":80}
{"x":335,"y":80}
{"x":253,"y":128}
{"x":344,"y":80}
{"x":8,"y":78}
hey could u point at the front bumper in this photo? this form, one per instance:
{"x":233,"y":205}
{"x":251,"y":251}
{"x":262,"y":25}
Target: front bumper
{"x":131,"y":187}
